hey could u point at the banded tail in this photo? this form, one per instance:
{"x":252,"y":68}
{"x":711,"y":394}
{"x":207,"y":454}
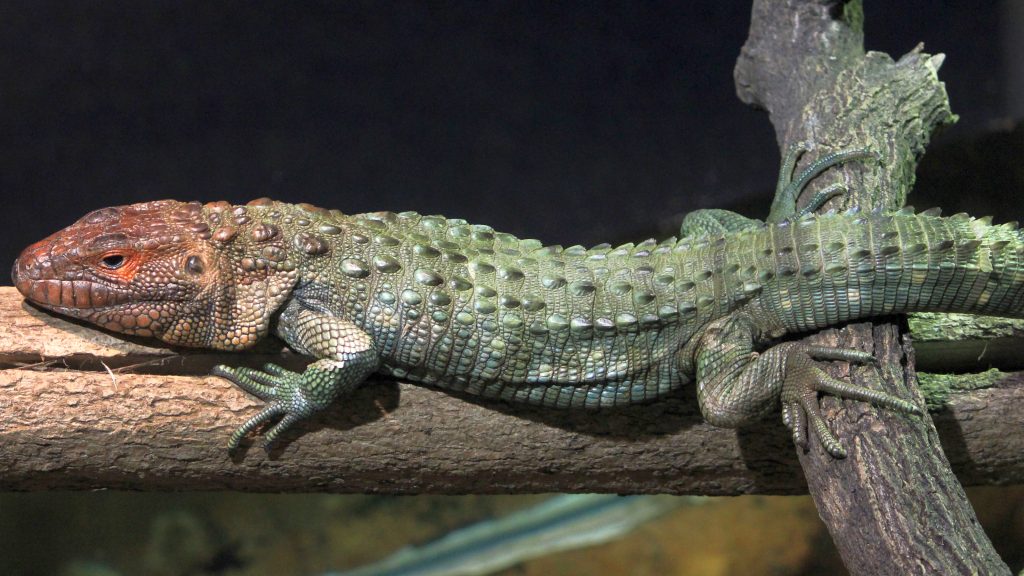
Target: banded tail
{"x":839,"y":267}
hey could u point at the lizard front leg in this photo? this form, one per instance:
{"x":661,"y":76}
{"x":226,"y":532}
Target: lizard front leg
{"x":347,"y":357}
{"x":737,"y":386}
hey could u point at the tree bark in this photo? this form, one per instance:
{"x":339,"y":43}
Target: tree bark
{"x":894,"y":506}
{"x":154,"y":422}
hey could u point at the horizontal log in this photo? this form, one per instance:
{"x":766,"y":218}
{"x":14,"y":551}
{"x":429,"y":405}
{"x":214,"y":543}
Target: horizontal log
{"x":83,"y":409}
{"x":963,"y":343}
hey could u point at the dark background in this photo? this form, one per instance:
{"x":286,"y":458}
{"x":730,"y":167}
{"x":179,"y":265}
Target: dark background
{"x":574,"y":122}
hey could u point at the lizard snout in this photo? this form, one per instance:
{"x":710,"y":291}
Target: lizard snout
{"x":31,"y":266}
{"x":34,"y":276}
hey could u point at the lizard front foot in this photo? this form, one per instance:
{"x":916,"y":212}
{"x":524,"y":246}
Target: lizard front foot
{"x":804,"y":380}
{"x":292,"y":396}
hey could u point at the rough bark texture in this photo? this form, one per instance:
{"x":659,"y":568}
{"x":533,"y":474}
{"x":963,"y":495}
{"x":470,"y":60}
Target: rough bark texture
{"x":68,"y":423}
{"x":894,"y":506}
{"x":959,"y":343}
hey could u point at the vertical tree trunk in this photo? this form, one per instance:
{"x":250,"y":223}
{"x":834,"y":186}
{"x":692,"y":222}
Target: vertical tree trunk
{"x":893,"y":506}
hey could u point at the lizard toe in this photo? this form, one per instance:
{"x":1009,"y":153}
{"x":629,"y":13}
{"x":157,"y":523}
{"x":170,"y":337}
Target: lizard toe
{"x":276,"y":370}
{"x":255,"y":382}
{"x":269,"y":412}
{"x":291,"y":396}
{"x":804,"y":380}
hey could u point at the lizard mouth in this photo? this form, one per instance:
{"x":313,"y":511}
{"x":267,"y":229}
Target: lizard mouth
{"x":37,"y":278}
{"x":68,"y":294}
{"x":95,"y":303}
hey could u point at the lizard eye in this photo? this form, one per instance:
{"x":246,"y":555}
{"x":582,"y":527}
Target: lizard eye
{"x":112,"y":261}
{"x":194,"y":265}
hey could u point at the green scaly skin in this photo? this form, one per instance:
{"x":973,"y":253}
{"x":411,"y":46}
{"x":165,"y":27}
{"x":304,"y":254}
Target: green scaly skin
{"x":462,"y":307}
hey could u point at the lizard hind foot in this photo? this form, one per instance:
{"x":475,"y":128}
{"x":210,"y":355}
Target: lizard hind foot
{"x":790,"y":186}
{"x":804,"y":380}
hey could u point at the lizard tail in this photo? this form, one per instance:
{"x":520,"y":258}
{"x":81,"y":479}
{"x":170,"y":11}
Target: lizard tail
{"x":837,"y":268}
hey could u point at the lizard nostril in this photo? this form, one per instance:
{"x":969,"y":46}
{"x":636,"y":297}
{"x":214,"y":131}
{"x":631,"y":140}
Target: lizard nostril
{"x":22,"y":281}
{"x":32,"y":266}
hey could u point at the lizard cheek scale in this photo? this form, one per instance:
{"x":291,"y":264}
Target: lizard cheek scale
{"x":441,"y":302}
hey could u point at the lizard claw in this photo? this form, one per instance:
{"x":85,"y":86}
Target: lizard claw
{"x":804,"y":380}
{"x":294,"y":396}
{"x":286,"y":392}
{"x":259,"y":383}
{"x":269,"y":412}
{"x":789,"y":186}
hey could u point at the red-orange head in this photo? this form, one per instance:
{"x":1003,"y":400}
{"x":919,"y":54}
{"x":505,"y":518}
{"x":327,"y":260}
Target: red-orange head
{"x":150,"y":269}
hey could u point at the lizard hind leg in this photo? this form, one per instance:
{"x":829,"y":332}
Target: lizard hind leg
{"x":737,"y":386}
{"x":788,"y":189}
{"x":715,"y":221}
{"x":803,"y":380}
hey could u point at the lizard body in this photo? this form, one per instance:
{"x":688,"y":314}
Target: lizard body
{"x":459,"y":306}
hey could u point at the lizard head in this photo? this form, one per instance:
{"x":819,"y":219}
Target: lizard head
{"x":156,"y":269}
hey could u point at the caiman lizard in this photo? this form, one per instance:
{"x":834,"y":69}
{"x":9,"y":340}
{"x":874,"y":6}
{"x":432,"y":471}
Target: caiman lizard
{"x":438,"y":301}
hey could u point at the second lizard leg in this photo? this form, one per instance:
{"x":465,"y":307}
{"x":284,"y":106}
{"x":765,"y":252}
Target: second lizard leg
{"x":788,"y":189}
{"x":716,"y":221}
{"x":737,"y":386}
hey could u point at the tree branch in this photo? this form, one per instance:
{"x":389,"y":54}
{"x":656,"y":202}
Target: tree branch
{"x":68,"y":423}
{"x":894,"y":506}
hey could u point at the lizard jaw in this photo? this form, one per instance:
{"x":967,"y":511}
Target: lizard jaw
{"x":80,"y":295}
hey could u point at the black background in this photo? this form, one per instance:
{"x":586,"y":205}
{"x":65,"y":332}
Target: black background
{"x":573,"y":122}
